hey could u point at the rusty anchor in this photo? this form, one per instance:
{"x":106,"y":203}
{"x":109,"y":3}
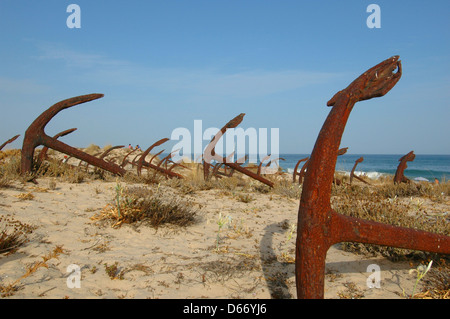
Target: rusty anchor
{"x":9,"y":141}
{"x":35,"y":136}
{"x":340,"y":152}
{"x":124,"y":160}
{"x":102,"y":155}
{"x":352,"y":173}
{"x":141,"y":162}
{"x":209,"y":155}
{"x":303,"y":172}
{"x":275,"y":160}
{"x":399,"y":176}
{"x":216,"y":170}
{"x":319,"y":226}
{"x":297,"y":173}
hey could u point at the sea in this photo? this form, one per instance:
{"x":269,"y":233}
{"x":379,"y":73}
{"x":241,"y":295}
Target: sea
{"x":374,"y":166}
{"x":423,"y":168}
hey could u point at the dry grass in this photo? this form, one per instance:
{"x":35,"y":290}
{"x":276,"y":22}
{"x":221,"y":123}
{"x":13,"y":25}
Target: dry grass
{"x":429,"y":190}
{"x":10,"y":171}
{"x":140,"y":204}
{"x":245,"y":198}
{"x":9,"y":167}
{"x":372,"y":203}
{"x":114,"y":272}
{"x":13,"y":234}
{"x":11,"y":288}
{"x":288,"y":189}
{"x":436,"y":283}
{"x":9,"y":153}
{"x":68,"y":173}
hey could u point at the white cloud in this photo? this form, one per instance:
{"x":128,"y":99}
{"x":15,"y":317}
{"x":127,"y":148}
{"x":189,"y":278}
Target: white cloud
{"x":99,"y":69}
{"x":21,"y":86}
{"x":209,"y":82}
{"x":73,"y":58}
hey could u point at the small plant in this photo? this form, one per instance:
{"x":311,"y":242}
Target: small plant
{"x":418,"y":204}
{"x":285,"y":254}
{"x":221,"y":222}
{"x":13,"y":234}
{"x":113,"y":271}
{"x":52,"y":184}
{"x":436,"y":285}
{"x":239,"y":229}
{"x":119,"y":193}
{"x":421,"y":272}
{"x":25,"y":196}
{"x":351,"y":292}
{"x":245,"y":198}
{"x":142,"y":204}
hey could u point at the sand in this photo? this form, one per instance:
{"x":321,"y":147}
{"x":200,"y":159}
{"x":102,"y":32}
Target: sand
{"x":253,"y":259}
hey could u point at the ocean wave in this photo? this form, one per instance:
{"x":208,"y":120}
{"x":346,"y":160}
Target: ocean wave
{"x":370,"y":175}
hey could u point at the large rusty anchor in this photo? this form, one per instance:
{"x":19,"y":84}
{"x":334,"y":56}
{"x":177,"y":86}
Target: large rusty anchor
{"x":319,"y":226}
{"x":35,"y":136}
{"x":210,"y":154}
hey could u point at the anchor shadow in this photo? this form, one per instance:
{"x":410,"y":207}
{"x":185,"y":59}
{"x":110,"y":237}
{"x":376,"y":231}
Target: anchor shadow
{"x":275,"y":273}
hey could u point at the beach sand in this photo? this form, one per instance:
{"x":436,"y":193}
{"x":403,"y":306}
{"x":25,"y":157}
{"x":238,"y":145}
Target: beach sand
{"x":251,"y":256}
{"x":254,"y":259}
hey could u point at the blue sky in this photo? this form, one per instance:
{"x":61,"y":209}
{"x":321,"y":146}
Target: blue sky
{"x":164,"y":64}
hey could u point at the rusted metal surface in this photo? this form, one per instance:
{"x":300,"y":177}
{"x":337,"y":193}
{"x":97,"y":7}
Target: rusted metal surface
{"x":43,"y":153}
{"x":270,"y":163}
{"x":141,"y":162}
{"x":239,"y":162}
{"x":352,"y":173}
{"x":35,"y":136}
{"x":217,"y":173}
{"x":124,"y":160}
{"x":319,"y":226}
{"x":105,"y":153}
{"x":210,"y":154}
{"x":261,"y":163}
{"x":9,"y":141}
{"x":296,"y":172}
{"x":303,"y":172}
{"x":110,"y":149}
{"x":340,"y":152}
{"x":166,"y":160}
{"x":399,"y":174}
{"x":142,"y":156}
